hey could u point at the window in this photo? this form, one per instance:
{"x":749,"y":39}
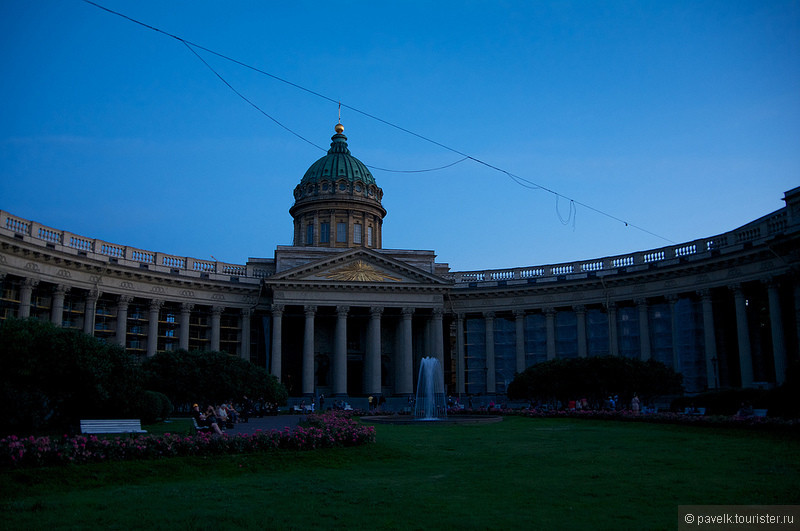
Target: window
{"x":341,"y":232}
{"x":357,"y":233}
{"x":369,"y":237}
{"x":324,"y":232}
{"x":310,"y":235}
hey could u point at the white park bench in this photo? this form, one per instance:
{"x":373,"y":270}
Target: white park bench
{"x":112,"y":426}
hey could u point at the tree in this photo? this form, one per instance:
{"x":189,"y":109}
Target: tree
{"x":595,"y":379}
{"x":209,"y":377}
{"x":51,"y":377}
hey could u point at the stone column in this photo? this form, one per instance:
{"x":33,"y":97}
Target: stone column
{"x":519,"y":322}
{"x":277,"y":340}
{"x":332,"y":230}
{"x":372,"y":365}
{"x":491,"y":377}
{"x":743,"y":333}
{"x":460,"y":350}
{"x":644,"y":329}
{"x":349,"y":228}
{"x":122,"y":319}
{"x":216,"y":313}
{"x":676,"y":354}
{"x":580,"y":317}
{"x":340,"y":352}
{"x":57,"y":304}
{"x":550,"y":322}
{"x":25,"y":293}
{"x":89,"y":311}
{"x":437,"y":335}
{"x":613,"y":334}
{"x":244,"y":346}
{"x":308,"y":351}
{"x":710,"y":340}
{"x":186,"y":313}
{"x":776,"y":326}
{"x":152,"y":327}
{"x":405,"y":366}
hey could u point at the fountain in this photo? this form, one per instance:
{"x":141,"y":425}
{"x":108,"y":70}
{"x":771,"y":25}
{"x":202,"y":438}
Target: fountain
{"x":431,"y":402}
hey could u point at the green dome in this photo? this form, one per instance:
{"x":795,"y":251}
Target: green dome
{"x":337,"y":164}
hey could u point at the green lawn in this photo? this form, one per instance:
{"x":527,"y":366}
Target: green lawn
{"x":531,"y":473}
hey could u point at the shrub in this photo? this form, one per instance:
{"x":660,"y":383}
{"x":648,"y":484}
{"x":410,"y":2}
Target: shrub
{"x":595,"y":379}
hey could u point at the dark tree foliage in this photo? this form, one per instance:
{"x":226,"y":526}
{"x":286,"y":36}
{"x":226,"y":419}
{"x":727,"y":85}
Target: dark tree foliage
{"x":51,"y":377}
{"x":209,"y":378}
{"x":595,"y":379}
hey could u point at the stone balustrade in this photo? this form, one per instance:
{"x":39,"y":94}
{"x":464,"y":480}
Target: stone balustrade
{"x":766,"y":227}
{"x":70,"y":243}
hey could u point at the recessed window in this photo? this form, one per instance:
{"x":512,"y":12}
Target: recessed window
{"x":369,"y":236}
{"x":310,"y":235}
{"x":357,"y":233}
{"x":341,"y":232}
{"x":324,"y":232}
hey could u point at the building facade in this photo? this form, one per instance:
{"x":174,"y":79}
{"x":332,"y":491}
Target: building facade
{"x":338,"y":314}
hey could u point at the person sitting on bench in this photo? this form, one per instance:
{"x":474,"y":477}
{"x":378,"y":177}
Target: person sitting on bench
{"x":207,"y":421}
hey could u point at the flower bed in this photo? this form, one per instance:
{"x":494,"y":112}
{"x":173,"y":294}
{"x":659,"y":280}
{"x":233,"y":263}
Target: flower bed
{"x":330,"y":430}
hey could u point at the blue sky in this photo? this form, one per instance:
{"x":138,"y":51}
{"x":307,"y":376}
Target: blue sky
{"x":682,"y":118}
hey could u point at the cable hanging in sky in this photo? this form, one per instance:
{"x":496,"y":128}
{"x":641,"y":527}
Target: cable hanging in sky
{"x":519,"y":180}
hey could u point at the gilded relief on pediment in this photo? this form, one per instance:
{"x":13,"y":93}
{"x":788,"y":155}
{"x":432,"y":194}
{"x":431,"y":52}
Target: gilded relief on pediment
{"x":359,"y":271}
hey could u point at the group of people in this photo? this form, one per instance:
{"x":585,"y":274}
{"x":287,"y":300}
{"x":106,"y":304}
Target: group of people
{"x":216,"y":418}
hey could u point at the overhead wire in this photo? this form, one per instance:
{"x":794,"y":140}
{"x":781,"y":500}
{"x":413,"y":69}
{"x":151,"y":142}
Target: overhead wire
{"x":465,"y":156}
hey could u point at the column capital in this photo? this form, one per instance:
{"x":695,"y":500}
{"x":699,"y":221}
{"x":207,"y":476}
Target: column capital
{"x":216,"y":311}
{"x":519,"y":314}
{"x":640,"y":302}
{"x":246,"y":312}
{"x":376,"y":311}
{"x":489,"y":314}
{"x":124,"y":300}
{"x":735,"y":288}
{"x":549,"y":311}
{"x":309,"y":310}
{"x":156,"y":304}
{"x":60,"y":289}
{"x":438,"y":313}
{"x":276,"y":309}
{"x":579,"y":308}
{"x":705,"y":294}
{"x":407,"y":312}
{"x":672,"y":298}
{"x":30,"y":282}
{"x":342,"y":311}
{"x":187,"y":307}
{"x":770,"y":281}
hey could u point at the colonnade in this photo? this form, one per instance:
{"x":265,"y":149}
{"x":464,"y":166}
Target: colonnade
{"x":709,"y":339}
{"x":90,"y":298}
{"x":403,"y":363}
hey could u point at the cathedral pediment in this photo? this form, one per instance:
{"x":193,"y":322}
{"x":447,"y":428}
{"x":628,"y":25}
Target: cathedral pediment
{"x":357,"y":266}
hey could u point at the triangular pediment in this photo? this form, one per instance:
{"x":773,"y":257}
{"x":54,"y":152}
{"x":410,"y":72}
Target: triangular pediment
{"x":359,"y":267}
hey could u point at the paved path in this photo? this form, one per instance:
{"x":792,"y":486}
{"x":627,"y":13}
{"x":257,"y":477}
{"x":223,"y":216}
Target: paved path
{"x":277,"y":422}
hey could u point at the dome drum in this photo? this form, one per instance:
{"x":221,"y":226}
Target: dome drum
{"x":338,"y":203}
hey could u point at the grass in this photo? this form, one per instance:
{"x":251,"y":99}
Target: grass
{"x":536,"y":473}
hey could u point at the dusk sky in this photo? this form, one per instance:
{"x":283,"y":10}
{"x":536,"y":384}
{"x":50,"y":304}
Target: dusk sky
{"x":681,"y":118}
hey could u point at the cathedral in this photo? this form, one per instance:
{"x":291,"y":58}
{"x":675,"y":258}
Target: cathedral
{"x":337,"y":314}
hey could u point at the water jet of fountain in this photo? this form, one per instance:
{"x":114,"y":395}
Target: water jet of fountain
{"x":431,"y":402}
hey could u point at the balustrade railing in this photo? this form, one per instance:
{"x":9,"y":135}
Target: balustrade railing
{"x":767,"y":226}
